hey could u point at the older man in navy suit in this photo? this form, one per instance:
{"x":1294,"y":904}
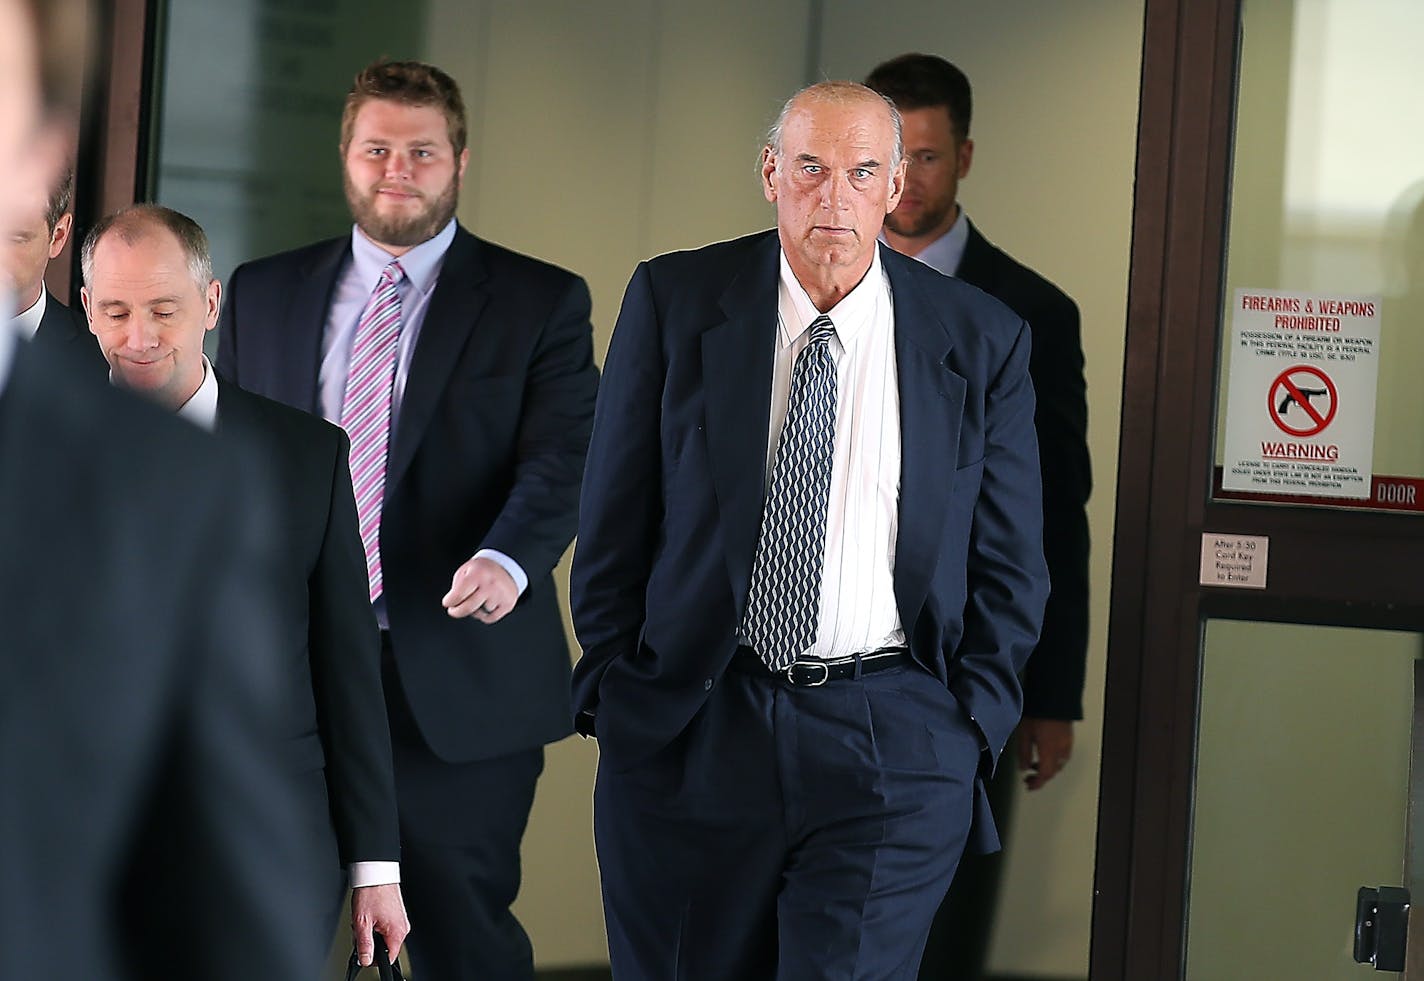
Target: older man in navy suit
{"x":809,"y":569}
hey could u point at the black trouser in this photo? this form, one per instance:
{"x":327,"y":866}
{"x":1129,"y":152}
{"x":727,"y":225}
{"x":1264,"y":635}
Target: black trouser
{"x":461,"y":825}
{"x":788,"y":833}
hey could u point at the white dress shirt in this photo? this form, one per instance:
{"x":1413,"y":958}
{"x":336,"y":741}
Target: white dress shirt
{"x":28,"y":322}
{"x":202,"y":411}
{"x":354,"y":287}
{"x":8,"y":339}
{"x":857,"y":610}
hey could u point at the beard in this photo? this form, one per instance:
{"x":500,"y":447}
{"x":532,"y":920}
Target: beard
{"x":405,"y":231}
{"x":930,"y":215}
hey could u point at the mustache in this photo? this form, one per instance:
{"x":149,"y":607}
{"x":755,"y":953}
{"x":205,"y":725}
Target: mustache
{"x":398,"y":188}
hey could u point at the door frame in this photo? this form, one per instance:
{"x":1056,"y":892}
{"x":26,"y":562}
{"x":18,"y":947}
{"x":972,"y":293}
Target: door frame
{"x":1164,"y":505}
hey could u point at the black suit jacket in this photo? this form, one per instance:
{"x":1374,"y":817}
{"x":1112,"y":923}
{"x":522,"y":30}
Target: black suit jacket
{"x":488,"y":453}
{"x":1053,"y":680}
{"x":64,"y":330}
{"x":673,"y":496}
{"x":147,"y":810}
{"x":332,"y":650}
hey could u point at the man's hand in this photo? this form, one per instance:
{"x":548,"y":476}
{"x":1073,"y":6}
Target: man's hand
{"x":378,"y":908}
{"x":1044,"y":745}
{"x":481,"y":589}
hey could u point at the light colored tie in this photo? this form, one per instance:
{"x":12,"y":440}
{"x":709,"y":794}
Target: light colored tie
{"x":784,"y":600}
{"x":366,"y":410}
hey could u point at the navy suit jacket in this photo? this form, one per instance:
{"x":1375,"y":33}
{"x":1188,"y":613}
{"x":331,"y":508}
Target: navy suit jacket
{"x":488,"y":452}
{"x":64,"y":330}
{"x":146,"y":808}
{"x":1053,"y":680}
{"x":674,"y":489}
{"x":331,"y":649}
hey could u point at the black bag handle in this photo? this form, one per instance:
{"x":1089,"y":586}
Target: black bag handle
{"x":385,"y":967}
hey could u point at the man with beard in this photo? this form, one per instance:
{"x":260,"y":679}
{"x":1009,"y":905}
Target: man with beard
{"x":935,"y":102}
{"x":464,"y":374}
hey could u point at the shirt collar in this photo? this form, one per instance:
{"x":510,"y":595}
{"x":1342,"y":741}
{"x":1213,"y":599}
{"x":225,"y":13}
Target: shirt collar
{"x":421,"y":264}
{"x":202,"y":408}
{"x":28,"y":322}
{"x":854,"y":312}
{"x":9,"y":337}
{"x":946,"y":252}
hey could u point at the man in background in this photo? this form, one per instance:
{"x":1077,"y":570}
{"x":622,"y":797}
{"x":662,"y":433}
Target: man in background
{"x":464,"y":374}
{"x":38,"y":232}
{"x":935,"y":101}
{"x":150,"y":297}
{"x":147,"y":828}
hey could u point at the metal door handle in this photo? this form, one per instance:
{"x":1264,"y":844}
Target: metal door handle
{"x":1381,"y":927}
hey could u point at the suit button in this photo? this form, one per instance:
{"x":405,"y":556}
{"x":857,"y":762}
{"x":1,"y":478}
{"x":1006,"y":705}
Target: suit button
{"x":707,"y":685}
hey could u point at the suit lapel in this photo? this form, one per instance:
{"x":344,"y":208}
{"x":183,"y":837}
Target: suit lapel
{"x":737,"y":360}
{"x":931,"y":410}
{"x":459,"y":298}
{"x":230,"y":407}
{"x":297,"y":380}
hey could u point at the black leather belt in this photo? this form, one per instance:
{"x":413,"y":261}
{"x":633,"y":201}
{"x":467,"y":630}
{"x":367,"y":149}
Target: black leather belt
{"x":814,"y":672}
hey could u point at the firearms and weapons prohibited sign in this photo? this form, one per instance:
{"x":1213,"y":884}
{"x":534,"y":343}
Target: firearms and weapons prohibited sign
{"x":1300,"y":407}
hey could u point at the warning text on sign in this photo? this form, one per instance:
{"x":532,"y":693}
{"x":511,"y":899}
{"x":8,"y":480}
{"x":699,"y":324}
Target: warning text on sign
{"x":1301,"y":396}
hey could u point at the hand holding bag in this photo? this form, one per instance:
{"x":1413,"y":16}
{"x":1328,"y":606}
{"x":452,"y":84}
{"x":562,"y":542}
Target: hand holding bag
{"x":381,"y":961}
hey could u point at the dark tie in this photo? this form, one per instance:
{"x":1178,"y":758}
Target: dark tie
{"x":366,"y":410}
{"x":783,"y":602}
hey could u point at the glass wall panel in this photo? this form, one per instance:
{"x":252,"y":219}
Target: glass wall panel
{"x":1326,"y":208}
{"x":1301,"y":795}
{"x":249,"y":113}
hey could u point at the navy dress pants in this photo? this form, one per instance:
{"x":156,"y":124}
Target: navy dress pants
{"x":796,"y":834}
{"x":461,"y":825}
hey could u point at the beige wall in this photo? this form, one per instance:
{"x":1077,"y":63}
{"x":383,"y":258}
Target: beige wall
{"x":610,"y":132}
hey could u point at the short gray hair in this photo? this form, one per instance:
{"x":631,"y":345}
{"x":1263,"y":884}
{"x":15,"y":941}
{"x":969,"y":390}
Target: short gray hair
{"x":138,"y":220}
{"x":843,"y":93}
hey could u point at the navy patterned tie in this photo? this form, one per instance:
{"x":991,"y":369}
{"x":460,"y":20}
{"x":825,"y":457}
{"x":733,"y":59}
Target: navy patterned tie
{"x":783,"y":602}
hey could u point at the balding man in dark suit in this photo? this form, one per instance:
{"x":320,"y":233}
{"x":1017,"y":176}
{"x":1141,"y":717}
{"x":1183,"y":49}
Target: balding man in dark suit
{"x":809,"y":569}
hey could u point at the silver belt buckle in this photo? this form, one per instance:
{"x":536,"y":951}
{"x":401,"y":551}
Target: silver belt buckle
{"x":825,"y":673}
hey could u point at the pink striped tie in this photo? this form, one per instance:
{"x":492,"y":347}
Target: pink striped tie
{"x":366,"y":410}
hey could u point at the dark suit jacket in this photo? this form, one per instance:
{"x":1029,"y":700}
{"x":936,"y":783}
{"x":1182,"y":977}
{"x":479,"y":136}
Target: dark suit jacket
{"x":147,"y":812}
{"x":674,"y":489}
{"x":333,"y":649}
{"x":1053,"y":680}
{"x":65,"y":330}
{"x":488,"y":453}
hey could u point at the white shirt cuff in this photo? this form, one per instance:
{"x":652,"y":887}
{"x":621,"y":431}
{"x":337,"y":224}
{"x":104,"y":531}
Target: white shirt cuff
{"x":373,"y":874}
{"x":521,"y":581}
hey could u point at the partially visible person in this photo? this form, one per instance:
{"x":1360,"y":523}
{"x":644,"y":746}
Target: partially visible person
{"x":38,"y":233}
{"x":808,"y":572}
{"x":930,"y":224}
{"x":147,"y":824}
{"x":150,"y":296}
{"x":464,"y":374}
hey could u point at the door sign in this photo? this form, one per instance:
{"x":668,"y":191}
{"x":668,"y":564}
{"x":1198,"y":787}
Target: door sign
{"x":1300,"y":405}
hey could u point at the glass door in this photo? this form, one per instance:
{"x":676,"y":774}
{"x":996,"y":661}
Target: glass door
{"x":1266,"y":604}
{"x":1301,"y":795}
